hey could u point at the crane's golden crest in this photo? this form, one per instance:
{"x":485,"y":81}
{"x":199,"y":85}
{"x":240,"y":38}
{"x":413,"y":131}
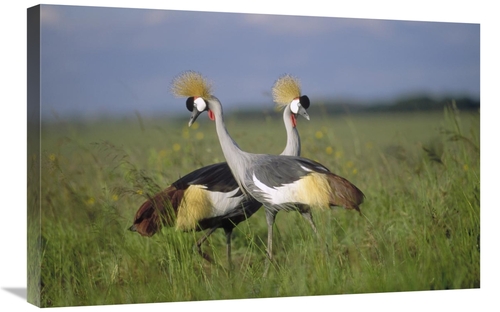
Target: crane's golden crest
{"x":285,"y":89}
{"x":191,"y":83}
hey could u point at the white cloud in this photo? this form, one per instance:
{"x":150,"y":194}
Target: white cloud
{"x":156,"y":17}
{"x":49,"y":15}
{"x":313,"y":26}
{"x":286,"y":25}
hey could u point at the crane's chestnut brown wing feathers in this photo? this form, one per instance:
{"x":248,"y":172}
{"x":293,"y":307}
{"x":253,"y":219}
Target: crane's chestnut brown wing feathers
{"x":156,"y":211}
{"x":344,"y":193}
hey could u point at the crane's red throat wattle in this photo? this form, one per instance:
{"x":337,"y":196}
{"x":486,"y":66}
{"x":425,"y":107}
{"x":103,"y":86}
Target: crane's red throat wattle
{"x":211,"y":115}
{"x":294,"y":121}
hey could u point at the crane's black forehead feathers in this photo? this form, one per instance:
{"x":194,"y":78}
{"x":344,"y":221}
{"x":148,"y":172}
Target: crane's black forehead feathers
{"x":304,"y":101}
{"x":190,"y":103}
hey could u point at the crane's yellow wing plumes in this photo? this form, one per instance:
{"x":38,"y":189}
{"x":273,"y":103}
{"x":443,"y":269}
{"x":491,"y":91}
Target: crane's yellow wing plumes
{"x":191,"y":83}
{"x":285,"y":89}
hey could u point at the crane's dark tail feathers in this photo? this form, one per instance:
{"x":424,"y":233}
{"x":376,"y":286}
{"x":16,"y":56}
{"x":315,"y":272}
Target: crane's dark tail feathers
{"x":157,"y":211}
{"x":344,"y":193}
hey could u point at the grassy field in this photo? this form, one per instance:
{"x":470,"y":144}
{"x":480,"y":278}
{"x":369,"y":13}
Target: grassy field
{"x":419,"y":229}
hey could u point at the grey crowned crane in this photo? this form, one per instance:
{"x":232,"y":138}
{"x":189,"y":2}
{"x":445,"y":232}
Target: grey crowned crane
{"x":278,"y":182}
{"x":209,"y":198}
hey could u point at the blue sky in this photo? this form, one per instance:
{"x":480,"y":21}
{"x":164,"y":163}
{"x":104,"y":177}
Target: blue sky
{"x":114,"y":61}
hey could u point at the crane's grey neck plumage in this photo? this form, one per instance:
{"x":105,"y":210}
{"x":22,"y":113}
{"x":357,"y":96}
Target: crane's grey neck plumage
{"x":292,"y":134}
{"x":237,"y":159}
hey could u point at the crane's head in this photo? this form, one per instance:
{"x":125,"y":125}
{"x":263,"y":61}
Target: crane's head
{"x":197,"y":105}
{"x":197,"y":89}
{"x":286,"y":91}
{"x":299,"y":106}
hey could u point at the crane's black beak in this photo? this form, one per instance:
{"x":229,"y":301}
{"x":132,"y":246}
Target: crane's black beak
{"x":302,"y":111}
{"x":195,"y":113}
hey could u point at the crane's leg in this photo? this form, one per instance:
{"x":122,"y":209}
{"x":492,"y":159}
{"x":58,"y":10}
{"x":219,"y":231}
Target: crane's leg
{"x":308,"y":216}
{"x":229,"y":232}
{"x":270,"y":217}
{"x":201,"y":241}
{"x":306,"y":213}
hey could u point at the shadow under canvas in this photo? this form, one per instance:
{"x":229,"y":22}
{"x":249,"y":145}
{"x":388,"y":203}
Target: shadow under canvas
{"x":21,"y":292}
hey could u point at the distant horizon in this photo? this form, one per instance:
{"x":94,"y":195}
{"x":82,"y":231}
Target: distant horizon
{"x":180,"y":112}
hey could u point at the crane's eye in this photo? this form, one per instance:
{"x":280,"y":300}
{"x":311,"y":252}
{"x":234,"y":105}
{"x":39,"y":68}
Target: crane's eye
{"x":304,"y":101}
{"x":190,"y":103}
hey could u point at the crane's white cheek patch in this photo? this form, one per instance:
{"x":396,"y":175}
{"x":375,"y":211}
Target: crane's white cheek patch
{"x":195,"y":206}
{"x":200,"y":104}
{"x":294,"y":106}
{"x":312,"y":189}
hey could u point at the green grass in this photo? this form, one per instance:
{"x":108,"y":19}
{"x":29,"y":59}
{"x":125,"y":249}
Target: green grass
{"x":419,"y":229}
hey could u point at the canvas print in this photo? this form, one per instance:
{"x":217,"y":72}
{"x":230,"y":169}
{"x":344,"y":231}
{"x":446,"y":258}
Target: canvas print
{"x":188,"y":156}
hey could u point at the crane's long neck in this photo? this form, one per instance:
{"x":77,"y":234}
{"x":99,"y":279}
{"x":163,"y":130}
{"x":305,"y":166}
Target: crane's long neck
{"x":292,"y":135}
{"x":237,"y":159}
